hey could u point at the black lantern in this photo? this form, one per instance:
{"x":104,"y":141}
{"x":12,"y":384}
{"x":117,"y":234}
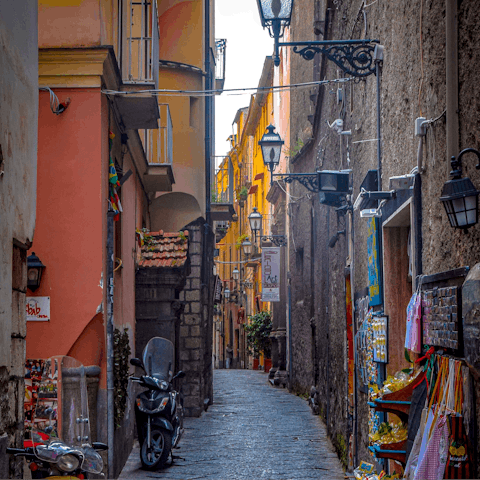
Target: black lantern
{"x":247,"y":247}
{"x":34,"y":271}
{"x":226,"y":293}
{"x":236,"y":274}
{"x":271,"y":145}
{"x":459,"y":195}
{"x":333,"y":181}
{"x":275,"y":15}
{"x":255,"y":219}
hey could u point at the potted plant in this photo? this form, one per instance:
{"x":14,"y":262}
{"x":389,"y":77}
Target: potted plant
{"x":240,"y":240}
{"x":258,"y":332}
{"x":243,"y":193}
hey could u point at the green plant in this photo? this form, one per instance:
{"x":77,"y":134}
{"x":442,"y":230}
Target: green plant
{"x":295,"y":149}
{"x":240,"y":240}
{"x":258,"y":332}
{"x":182,"y":236}
{"x":243,"y":192}
{"x":121,"y":353}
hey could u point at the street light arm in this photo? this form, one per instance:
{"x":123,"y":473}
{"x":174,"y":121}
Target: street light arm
{"x":308,"y":180}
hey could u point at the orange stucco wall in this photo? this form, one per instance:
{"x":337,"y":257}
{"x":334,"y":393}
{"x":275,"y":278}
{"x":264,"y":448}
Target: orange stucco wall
{"x":70,"y":210}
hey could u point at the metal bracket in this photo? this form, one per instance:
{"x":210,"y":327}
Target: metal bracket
{"x":277,"y":240}
{"x":308,"y":180}
{"x":355,"y":57}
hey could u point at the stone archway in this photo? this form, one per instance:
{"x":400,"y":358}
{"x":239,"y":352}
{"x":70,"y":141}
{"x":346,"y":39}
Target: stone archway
{"x":173,"y":211}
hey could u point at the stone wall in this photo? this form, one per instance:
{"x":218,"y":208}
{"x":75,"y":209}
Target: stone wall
{"x":412,"y":84}
{"x":196,"y":324}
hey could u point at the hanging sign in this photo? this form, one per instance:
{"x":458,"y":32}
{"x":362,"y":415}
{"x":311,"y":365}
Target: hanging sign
{"x":271,"y":274}
{"x":38,"y":309}
{"x":374,"y":282}
{"x":218,"y":291}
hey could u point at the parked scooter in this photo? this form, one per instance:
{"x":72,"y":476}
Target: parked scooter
{"x":61,"y":443}
{"x":159,"y":409}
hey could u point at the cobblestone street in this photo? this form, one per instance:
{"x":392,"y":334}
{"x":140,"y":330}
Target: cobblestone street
{"x":252,"y":431}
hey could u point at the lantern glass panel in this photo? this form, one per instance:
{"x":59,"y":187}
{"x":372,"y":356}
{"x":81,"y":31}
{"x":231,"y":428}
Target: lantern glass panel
{"x":276,"y":9}
{"x":271,"y":154}
{"x":226,"y":293}
{"x":328,"y":182}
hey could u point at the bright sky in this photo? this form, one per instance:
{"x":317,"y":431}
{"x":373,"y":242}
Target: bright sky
{"x":247,"y":46}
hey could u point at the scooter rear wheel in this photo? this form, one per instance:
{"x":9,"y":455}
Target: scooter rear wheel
{"x":155,"y":457}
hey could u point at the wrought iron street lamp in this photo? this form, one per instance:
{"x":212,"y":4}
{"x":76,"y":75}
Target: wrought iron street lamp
{"x":247,"y":247}
{"x":236,"y":273}
{"x":34,"y":271}
{"x":355,"y":57}
{"x":255,"y":220}
{"x":459,"y":195}
{"x":226,"y":293}
{"x":332,"y":185}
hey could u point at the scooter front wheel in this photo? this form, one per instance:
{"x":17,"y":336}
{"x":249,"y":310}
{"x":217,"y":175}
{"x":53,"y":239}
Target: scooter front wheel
{"x":155,"y":457}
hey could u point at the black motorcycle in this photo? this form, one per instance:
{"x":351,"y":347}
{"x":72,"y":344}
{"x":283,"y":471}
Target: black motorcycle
{"x":159,"y":409}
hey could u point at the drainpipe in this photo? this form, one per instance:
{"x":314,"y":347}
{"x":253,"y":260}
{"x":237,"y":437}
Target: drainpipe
{"x":208,"y":146}
{"x":451,"y":67}
{"x":110,"y":360}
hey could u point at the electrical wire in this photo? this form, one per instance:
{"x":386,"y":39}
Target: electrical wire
{"x":205,"y":93}
{"x":55,"y":105}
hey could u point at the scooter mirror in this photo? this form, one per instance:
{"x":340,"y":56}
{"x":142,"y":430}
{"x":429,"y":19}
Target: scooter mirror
{"x":137,"y":363}
{"x":180,"y":374}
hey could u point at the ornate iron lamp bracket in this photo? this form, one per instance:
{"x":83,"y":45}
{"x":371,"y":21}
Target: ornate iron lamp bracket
{"x":308,"y":180}
{"x":354,"y":57}
{"x":277,"y":240}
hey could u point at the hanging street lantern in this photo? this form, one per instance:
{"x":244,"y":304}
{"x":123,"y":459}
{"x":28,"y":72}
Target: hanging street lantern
{"x":34,"y":271}
{"x":459,"y":195}
{"x":236,"y":274}
{"x":275,"y":15}
{"x":271,"y":145}
{"x":226,"y":293}
{"x":255,"y":220}
{"x":247,"y":247}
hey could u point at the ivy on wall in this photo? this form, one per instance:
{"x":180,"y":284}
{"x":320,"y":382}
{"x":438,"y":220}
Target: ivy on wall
{"x":121,"y":354}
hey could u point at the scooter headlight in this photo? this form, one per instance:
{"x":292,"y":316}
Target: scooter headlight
{"x":162,"y":405}
{"x":68,"y":463}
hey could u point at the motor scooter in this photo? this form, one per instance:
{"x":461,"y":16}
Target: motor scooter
{"x":159,"y":409}
{"x":61,"y":446}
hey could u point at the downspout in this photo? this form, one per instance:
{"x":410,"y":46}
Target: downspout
{"x":451,"y":68}
{"x":110,"y":360}
{"x":355,"y":386}
{"x":208,"y":147}
{"x":328,"y":324}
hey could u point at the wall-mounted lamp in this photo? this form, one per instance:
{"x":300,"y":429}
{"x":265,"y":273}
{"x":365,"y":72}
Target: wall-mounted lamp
{"x":236,"y":274}
{"x":355,"y":57}
{"x":226,"y":293}
{"x":247,"y":247}
{"x":34,"y":271}
{"x":255,"y":220}
{"x":459,"y":195}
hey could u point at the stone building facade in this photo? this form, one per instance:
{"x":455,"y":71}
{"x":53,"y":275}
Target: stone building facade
{"x":18,"y":164}
{"x":416,"y":79}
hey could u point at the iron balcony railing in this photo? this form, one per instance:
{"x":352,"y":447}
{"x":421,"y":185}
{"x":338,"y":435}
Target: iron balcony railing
{"x":158,"y":144}
{"x":222,"y":191}
{"x":139,"y":41}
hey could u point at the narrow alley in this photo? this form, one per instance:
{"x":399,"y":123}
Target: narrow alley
{"x":251,"y":431}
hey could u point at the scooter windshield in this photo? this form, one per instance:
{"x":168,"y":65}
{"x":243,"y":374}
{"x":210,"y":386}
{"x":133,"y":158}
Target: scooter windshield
{"x":62,"y":405}
{"x":158,"y":358}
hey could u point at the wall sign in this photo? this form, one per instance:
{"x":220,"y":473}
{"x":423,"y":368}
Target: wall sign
{"x":38,"y":309}
{"x":374,"y":280}
{"x":271,"y":274}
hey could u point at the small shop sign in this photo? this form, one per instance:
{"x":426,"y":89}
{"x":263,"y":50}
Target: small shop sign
{"x":38,"y":309}
{"x":271,"y":274}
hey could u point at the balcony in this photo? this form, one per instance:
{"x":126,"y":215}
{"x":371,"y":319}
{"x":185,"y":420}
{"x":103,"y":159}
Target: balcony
{"x":222,"y":192}
{"x":220,"y":56}
{"x":138,"y":54}
{"x":158,"y":146}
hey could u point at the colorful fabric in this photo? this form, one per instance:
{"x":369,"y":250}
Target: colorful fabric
{"x":432,"y":464}
{"x":113,"y":181}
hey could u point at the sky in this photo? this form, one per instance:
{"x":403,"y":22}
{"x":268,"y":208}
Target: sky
{"x":247,"y":46}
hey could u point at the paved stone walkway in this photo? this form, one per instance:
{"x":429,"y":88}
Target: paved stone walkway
{"x":252,"y":431}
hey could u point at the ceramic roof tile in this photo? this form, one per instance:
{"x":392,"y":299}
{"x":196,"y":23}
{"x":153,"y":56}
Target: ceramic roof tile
{"x":164,"y":249}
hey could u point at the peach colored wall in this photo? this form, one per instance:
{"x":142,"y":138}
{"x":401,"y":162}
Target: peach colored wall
{"x":69,"y":23}
{"x":68,"y":234}
{"x":181,"y":33}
